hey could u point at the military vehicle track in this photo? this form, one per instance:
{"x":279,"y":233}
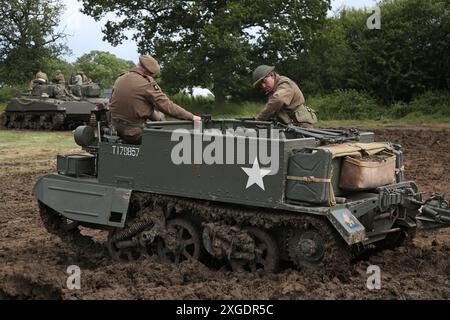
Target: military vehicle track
{"x":33,"y":120}
{"x":245,"y":238}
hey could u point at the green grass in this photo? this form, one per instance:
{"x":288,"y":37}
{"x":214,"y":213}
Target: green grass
{"x":228,"y":111}
{"x":410,"y":119}
{"x":243,"y":110}
{"x":419,"y":118}
{"x":51,"y":141}
{"x":26,"y":152}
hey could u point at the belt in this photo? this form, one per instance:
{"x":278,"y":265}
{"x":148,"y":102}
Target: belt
{"x":291,"y":112}
{"x":128,"y":123}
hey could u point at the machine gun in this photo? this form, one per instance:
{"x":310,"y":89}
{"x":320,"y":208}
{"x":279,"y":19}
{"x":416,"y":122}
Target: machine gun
{"x":325,"y":136}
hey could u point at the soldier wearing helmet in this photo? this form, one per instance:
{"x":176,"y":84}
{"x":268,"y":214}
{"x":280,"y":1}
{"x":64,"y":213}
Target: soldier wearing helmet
{"x":84,"y":78}
{"x":40,"y":78}
{"x":59,"y":78}
{"x":136,"y":97}
{"x":77,"y":79}
{"x":60,"y":89}
{"x":286,"y":102}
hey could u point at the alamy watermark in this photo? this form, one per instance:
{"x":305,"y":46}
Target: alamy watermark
{"x":74,"y":280}
{"x":233,"y":146}
{"x":374,"y":280}
{"x":374,"y":21}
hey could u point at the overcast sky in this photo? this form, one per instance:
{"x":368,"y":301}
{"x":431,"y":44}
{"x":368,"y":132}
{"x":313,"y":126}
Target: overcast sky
{"x":86,"y":35}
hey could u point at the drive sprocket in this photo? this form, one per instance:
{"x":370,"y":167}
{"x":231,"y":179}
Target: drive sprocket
{"x":316,"y":244}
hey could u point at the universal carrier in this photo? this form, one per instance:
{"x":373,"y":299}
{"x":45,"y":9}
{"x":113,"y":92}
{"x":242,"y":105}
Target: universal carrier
{"x":184,"y":194}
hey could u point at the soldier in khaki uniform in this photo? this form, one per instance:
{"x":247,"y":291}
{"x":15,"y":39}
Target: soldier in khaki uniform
{"x":286,"y":102}
{"x":84,"y":78}
{"x":76,"y":81}
{"x":60,"y":89}
{"x":41,"y":78}
{"x":136,"y":97}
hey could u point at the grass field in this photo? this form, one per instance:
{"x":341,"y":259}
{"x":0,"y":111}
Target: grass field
{"x":18,"y":146}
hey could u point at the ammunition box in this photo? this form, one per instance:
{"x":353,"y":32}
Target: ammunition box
{"x":75,"y":165}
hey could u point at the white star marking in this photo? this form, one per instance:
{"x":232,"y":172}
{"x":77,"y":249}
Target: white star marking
{"x":255,"y":175}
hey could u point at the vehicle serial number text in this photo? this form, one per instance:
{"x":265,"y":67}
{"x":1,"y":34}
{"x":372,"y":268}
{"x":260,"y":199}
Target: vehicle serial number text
{"x":125,"y":151}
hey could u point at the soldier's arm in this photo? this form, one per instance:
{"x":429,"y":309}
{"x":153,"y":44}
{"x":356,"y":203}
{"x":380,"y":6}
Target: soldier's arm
{"x":282,"y":96}
{"x":31,"y":85}
{"x":165,"y":105}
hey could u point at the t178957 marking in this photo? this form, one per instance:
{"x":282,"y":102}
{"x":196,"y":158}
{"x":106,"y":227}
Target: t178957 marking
{"x":125,"y":151}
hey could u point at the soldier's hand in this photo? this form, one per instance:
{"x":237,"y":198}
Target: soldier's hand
{"x":196,"y":118}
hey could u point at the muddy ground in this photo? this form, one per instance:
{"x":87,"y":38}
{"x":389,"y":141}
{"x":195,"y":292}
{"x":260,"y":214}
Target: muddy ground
{"x":33,"y":263}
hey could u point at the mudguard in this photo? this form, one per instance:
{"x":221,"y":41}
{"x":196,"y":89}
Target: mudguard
{"x":84,"y":200}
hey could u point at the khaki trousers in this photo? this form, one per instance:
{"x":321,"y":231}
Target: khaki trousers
{"x":129,"y":132}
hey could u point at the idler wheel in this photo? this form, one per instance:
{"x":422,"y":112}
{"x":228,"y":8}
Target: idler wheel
{"x":55,"y":223}
{"x":67,"y":230}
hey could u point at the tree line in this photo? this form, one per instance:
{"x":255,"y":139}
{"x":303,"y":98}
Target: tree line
{"x":217,"y":43}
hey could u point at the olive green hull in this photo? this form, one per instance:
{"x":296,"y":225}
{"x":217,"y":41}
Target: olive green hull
{"x":95,"y":190}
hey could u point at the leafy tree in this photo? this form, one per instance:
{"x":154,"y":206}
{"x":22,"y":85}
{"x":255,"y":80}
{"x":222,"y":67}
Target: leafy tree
{"x":411,"y":53}
{"x":329,"y":64}
{"x":28,"y":37}
{"x":406,"y":57}
{"x":213,"y":43}
{"x":102,"y":67}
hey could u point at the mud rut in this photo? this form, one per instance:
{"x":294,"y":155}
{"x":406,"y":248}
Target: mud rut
{"x":33,"y":263}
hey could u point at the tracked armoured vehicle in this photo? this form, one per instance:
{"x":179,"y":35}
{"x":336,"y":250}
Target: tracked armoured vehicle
{"x":247,"y":194}
{"x":43,"y":108}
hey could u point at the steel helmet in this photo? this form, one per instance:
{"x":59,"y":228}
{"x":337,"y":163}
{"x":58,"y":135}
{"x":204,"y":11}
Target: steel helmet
{"x":261,"y":72}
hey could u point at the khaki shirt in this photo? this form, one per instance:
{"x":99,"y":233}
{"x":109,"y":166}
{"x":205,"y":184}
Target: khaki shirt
{"x":135,"y":97}
{"x":286,"y":96}
{"x":78,"y":80}
{"x":85,"y":79}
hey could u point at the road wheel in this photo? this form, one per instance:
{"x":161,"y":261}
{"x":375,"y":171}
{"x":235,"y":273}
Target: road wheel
{"x":267,"y":254}
{"x":181,"y":242}
{"x":57,"y":121}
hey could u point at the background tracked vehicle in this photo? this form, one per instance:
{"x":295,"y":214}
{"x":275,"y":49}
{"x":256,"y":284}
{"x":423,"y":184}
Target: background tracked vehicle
{"x":43,"y":109}
{"x":201,"y":191}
